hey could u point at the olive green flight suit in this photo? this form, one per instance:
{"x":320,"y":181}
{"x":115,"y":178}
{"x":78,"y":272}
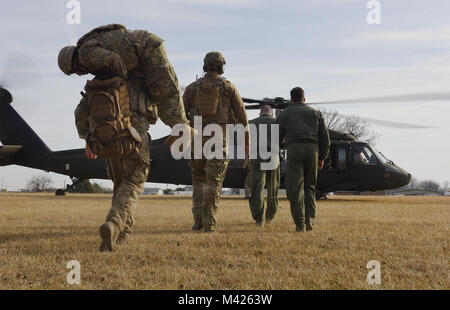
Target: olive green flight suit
{"x":306,"y":136}
{"x":246,"y":167}
{"x":260,"y":178}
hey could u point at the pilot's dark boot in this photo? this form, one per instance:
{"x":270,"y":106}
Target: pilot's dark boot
{"x":309,"y":224}
{"x":109,"y":232}
{"x":259,"y":225}
{"x":198,"y":225}
{"x":300,"y":229}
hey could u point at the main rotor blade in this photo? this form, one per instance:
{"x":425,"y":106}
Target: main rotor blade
{"x":253,"y":107}
{"x":249,"y":100}
{"x":432,"y":96}
{"x":391,"y":124}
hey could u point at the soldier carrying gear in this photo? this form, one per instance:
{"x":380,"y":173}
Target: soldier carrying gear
{"x":138,"y":58}
{"x":217,"y":101}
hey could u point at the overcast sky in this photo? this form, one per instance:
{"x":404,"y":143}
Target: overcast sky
{"x":325,"y":46}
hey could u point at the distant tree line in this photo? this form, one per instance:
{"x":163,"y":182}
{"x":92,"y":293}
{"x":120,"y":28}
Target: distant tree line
{"x":350,"y":124}
{"x":430,"y":185}
{"x":43,"y":183}
{"x":87,"y":187}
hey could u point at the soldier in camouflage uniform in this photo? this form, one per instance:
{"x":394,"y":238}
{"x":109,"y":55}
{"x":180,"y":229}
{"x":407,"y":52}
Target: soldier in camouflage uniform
{"x":140,"y":58}
{"x":208,"y":174}
{"x":308,"y":143}
{"x":260,"y":178}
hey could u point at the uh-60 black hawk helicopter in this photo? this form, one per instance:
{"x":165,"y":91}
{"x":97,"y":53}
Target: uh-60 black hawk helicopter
{"x":351,"y":166}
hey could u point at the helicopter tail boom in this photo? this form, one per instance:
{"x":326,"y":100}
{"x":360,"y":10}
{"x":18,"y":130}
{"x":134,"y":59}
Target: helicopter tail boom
{"x":21,"y":145}
{"x":7,"y":154}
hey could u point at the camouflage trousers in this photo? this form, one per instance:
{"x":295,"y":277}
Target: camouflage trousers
{"x":129,"y":174}
{"x":207,"y":179}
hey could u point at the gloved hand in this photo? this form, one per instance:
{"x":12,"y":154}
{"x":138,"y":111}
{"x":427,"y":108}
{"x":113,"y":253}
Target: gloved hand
{"x":88,"y":153}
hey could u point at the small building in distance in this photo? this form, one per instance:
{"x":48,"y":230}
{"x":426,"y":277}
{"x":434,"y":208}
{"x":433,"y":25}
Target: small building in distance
{"x":152,"y":191}
{"x":183,"y":191}
{"x":414,"y":192}
{"x":447,"y":192}
{"x":357,"y":193}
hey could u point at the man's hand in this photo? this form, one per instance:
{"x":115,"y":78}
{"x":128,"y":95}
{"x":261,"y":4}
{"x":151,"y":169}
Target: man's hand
{"x":320,"y":165}
{"x":89,"y":153}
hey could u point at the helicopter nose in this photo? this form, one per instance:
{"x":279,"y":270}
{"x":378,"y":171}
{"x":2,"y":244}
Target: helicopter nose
{"x":396,"y":177}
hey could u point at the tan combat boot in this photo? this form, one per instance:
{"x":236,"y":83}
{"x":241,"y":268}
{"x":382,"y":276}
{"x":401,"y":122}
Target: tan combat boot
{"x":109,"y":232}
{"x":209,"y":229}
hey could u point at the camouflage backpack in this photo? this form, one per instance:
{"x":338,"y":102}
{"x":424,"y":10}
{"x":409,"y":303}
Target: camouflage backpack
{"x":110,"y":132}
{"x":209,"y":101}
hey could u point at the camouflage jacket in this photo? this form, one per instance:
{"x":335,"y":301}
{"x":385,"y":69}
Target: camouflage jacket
{"x":140,"y":57}
{"x":300,"y":123}
{"x":231,"y":101}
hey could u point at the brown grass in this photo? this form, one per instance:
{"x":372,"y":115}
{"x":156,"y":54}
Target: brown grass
{"x":40,"y":233}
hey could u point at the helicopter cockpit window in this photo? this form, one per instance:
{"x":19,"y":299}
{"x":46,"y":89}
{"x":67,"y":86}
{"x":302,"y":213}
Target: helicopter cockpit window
{"x":364,"y":156}
{"x":381,"y":157}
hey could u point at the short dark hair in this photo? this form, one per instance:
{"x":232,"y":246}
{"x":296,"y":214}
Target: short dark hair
{"x":266,"y":110}
{"x":297,"y":94}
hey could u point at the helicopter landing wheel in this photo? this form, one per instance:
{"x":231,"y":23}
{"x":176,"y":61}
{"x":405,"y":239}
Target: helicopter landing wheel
{"x":60,"y":192}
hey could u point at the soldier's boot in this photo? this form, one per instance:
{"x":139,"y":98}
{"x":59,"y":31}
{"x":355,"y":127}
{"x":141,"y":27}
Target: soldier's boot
{"x":124,"y":236}
{"x":300,"y":229}
{"x":209,"y":229}
{"x":259,"y":225}
{"x":109,"y":232}
{"x":198,"y":225}
{"x":309,"y":224}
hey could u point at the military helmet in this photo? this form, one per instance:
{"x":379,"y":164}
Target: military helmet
{"x":214,"y":60}
{"x":65,"y":59}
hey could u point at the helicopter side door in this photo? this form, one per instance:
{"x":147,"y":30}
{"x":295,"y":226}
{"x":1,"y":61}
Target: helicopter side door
{"x":335,"y":175}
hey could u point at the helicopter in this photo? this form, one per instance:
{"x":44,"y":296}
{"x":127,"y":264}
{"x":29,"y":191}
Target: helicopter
{"x":352,"y":165}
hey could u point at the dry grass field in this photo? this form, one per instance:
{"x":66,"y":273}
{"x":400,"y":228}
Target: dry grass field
{"x":40,"y":233}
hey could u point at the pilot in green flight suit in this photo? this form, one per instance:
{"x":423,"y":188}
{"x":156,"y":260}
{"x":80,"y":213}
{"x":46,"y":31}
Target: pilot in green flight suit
{"x":260,"y":177}
{"x":308,"y":143}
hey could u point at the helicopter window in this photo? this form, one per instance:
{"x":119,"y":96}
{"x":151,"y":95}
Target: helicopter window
{"x":363,"y":156}
{"x":381,"y":157}
{"x":342,"y":158}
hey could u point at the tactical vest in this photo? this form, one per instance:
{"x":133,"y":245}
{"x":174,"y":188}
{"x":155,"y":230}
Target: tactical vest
{"x":144,"y":111}
{"x":210,"y":97}
{"x":110,"y":132}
